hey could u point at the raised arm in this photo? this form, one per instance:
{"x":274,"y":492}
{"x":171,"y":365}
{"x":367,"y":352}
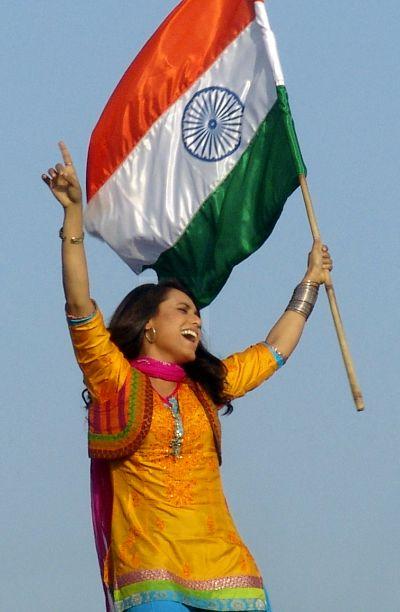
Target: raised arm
{"x":286,"y":333}
{"x":63,"y":182}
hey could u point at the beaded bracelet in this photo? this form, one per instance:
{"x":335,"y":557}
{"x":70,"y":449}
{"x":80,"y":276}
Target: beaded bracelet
{"x":280,"y":358}
{"x":73,"y":320}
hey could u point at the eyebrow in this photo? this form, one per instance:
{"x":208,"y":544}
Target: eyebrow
{"x":196,"y":310}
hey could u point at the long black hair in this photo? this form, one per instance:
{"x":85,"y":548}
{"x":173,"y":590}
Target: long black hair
{"x":127,"y":328}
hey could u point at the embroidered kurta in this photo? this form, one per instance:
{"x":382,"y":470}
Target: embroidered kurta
{"x":170,"y":533}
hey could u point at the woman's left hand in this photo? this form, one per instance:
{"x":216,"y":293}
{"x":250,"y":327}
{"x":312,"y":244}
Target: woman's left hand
{"x":287,"y":331}
{"x":319,"y":263}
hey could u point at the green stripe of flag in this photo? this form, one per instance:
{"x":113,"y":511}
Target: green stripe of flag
{"x":242,"y":212}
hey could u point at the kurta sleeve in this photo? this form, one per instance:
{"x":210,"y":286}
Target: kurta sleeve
{"x":104,"y":367}
{"x":248,"y":369}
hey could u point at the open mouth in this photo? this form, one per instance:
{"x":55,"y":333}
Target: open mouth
{"x":190,"y":334}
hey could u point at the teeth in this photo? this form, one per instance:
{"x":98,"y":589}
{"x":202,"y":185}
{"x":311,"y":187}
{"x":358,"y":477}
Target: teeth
{"x":189,"y":332}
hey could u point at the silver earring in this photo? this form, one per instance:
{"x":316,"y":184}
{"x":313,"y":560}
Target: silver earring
{"x":150,"y":335}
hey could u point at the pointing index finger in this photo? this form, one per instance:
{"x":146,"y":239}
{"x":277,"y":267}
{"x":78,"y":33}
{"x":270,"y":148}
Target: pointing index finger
{"x":66,"y":155}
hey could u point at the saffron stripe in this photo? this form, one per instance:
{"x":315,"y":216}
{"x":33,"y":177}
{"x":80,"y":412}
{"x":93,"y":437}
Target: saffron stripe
{"x":159,"y":75}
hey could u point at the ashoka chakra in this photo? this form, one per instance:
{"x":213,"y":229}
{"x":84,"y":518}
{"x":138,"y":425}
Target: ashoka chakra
{"x":212,"y":124}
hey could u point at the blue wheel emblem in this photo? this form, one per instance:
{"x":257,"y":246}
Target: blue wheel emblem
{"x":212,"y":124}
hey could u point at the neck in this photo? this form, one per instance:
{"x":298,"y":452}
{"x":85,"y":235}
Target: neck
{"x":153,"y":352}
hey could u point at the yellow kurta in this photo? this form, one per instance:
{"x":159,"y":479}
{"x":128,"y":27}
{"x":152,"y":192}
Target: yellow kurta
{"x":172,"y":536}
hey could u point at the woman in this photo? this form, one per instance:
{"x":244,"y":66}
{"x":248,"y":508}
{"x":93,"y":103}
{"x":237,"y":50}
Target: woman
{"x":163,"y":531}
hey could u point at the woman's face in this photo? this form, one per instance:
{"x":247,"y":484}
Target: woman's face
{"x":178,"y":330}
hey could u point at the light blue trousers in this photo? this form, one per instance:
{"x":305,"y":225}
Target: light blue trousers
{"x":170,"y":606}
{"x":162,"y":606}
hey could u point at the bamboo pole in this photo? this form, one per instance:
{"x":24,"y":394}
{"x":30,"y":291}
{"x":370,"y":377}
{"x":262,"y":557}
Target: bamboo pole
{"x":348,"y":362}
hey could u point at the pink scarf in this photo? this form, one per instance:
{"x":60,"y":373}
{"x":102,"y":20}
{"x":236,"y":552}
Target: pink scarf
{"x":159,"y":369}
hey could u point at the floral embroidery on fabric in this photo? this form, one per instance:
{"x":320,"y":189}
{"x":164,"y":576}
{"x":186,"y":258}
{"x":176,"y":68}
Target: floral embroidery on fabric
{"x":179,"y":481}
{"x":186,"y":570}
{"x":180,"y":492}
{"x":160,"y":524}
{"x":210,"y":525}
{"x":196,"y":424}
{"x":246,"y":560}
{"x":212,"y":463}
{"x":135,"y":499}
{"x":126,"y":551}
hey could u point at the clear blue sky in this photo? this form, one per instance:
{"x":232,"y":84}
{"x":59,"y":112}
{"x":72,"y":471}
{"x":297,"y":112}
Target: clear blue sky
{"x":313,"y":485}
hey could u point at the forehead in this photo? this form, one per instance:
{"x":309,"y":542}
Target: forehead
{"x":174,"y":296}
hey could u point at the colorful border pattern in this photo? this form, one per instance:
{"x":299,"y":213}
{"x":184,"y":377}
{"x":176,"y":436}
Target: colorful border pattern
{"x":213,"y":584}
{"x":235,"y":598}
{"x":117,"y":428}
{"x":223,"y":605}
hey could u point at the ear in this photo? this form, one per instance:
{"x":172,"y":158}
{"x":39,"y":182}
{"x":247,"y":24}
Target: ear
{"x":149,"y":325}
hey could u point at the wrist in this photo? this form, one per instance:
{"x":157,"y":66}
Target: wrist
{"x":309,"y":277}
{"x":74,"y":211}
{"x":73,"y":219}
{"x":72,"y":228}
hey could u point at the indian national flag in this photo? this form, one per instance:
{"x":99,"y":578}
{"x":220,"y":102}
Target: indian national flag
{"x":195,"y":153}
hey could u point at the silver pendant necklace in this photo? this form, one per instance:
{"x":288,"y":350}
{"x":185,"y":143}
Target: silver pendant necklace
{"x":177,"y":440}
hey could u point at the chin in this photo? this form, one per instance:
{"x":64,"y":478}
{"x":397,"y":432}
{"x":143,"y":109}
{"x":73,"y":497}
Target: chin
{"x":186,"y":358}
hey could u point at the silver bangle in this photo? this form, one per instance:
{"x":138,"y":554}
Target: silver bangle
{"x":304,"y":298}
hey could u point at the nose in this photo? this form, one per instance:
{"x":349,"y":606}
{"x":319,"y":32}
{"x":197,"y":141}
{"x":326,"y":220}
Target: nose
{"x":197,"y":322}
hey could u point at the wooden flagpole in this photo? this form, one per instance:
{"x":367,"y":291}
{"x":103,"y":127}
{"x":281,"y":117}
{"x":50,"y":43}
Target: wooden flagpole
{"x":348,"y":362}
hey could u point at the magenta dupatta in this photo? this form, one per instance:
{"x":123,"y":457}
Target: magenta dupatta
{"x":159,"y":369}
{"x":102,"y":501}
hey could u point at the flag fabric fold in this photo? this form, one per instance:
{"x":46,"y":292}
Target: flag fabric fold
{"x":195,"y":154}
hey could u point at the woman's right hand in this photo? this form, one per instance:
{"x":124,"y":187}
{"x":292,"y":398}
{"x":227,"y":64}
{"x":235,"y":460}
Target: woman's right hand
{"x":63,"y":181}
